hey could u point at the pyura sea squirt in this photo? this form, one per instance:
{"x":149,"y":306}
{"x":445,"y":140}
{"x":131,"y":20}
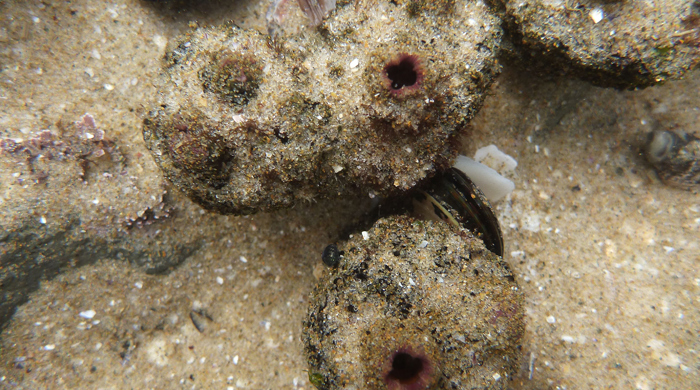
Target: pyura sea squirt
{"x":370,"y":101}
{"x":414,"y":305}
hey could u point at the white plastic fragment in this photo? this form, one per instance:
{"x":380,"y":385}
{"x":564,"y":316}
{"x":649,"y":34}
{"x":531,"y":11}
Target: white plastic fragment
{"x":87,"y":314}
{"x":365,"y":235}
{"x":596,"y":14}
{"x":49,"y":347}
{"x":423,"y":244}
{"x":235,"y":360}
{"x":243,"y":259}
{"x":42,"y":220}
{"x":496,"y":376}
{"x":354,"y":63}
{"x":337,"y":168}
{"x":551,"y":320}
{"x":567,"y":339}
{"x":493,"y":157}
{"x":494,"y":186}
{"x":219,"y":280}
{"x":138,"y":284}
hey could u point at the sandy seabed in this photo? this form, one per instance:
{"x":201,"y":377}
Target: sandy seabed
{"x":607,"y":255}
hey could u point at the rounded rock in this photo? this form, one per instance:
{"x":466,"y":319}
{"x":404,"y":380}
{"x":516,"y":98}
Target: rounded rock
{"x":371,"y":101}
{"x":399,"y":314}
{"x":613,"y":43}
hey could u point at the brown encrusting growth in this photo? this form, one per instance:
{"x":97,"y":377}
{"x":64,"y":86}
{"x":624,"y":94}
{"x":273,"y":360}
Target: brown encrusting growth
{"x":415,"y":305}
{"x":370,"y":102}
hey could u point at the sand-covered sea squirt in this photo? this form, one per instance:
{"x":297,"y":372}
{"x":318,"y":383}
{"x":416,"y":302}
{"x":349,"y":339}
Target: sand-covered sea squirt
{"x":371,"y":101}
{"x":414,"y":305}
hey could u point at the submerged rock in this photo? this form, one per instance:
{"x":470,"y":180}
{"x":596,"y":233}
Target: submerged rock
{"x":414,"y":305}
{"x":613,"y":43}
{"x":371,"y":101}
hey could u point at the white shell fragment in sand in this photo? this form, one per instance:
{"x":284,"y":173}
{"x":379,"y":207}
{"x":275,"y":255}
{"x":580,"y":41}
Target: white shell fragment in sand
{"x":596,"y":14}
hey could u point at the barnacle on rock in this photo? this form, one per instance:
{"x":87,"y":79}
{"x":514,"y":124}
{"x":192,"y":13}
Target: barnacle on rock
{"x":369,"y":102}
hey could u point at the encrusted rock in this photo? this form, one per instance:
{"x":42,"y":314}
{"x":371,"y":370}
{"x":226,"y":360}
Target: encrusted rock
{"x":371,"y":101}
{"x":616,"y":43}
{"x":414,"y":305}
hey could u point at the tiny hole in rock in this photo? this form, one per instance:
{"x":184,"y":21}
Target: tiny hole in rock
{"x":405,"y":368}
{"x":404,"y":73}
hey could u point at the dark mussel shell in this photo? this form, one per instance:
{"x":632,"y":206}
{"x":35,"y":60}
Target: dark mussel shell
{"x":452,"y":197}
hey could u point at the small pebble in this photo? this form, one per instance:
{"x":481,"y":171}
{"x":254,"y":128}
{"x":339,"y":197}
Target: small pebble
{"x":87,"y":314}
{"x":331,"y":255}
{"x":596,"y":14}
